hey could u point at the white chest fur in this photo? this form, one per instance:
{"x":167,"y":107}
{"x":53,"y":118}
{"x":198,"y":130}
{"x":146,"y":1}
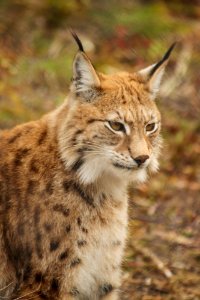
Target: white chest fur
{"x":101,"y":259}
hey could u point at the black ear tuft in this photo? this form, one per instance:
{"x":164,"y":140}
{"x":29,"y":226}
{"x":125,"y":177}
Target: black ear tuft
{"x":165,"y":57}
{"x":75,"y":36}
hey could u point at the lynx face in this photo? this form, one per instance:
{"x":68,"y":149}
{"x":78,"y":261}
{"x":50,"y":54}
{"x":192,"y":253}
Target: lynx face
{"x":113,"y":126}
{"x":118,"y":133}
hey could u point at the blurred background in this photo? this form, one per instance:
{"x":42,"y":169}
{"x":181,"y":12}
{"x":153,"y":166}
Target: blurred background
{"x":36,"y":52}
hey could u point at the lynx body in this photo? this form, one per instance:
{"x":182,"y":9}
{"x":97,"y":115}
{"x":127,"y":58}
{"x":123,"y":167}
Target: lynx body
{"x":63,"y":185}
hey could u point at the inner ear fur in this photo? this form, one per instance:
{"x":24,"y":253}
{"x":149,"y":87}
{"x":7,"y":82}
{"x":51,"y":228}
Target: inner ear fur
{"x":85,"y":81}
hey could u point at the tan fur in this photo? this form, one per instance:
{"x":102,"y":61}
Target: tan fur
{"x":63,"y":202}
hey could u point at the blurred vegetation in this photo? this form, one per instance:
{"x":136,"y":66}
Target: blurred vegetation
{"x":36,"y":53}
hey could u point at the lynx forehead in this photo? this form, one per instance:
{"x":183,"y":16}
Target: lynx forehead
{"x":63,"y":185}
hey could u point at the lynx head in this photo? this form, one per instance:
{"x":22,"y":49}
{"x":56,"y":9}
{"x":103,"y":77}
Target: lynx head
{"x":113,"y":125}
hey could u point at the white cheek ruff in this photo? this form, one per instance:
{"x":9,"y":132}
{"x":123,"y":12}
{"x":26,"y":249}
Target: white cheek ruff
{"x":154,"y":165}
{"x":140,"y":176}
{"x":99,"y":168}
{"x":96,"y":167}
{"x":93,"y":168}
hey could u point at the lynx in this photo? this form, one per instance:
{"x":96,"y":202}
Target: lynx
{"x":63,"y":185}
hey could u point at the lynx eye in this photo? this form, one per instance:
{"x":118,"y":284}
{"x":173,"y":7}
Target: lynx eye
{"x":150,"y":127}
{"x":116,"y":126}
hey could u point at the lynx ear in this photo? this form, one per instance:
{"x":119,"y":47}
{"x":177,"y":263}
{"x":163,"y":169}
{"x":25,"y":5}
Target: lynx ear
{"x":154,"y":73}
{"x":85,"y":82}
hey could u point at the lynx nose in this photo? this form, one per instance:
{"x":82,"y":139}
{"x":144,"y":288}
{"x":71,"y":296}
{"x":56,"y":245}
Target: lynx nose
{"x":141,"y":159}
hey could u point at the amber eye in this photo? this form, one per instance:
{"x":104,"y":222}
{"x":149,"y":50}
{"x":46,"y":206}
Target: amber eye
{"x":116,"y":126}
{"x":150,"y":127}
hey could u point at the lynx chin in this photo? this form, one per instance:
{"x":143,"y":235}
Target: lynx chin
{"x":63,"y":185}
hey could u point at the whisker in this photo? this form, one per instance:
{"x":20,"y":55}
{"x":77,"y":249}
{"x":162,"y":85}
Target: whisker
{"x":34,"y":296}
{"x":21,"y":297}
{"x":5,"y":287}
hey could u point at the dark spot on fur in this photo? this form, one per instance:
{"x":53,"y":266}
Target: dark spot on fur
{"x":42,"y":137}
{"x":38,"y":235}
{"x":34,"y":166}
{"x":38,"y":240}
{"x":54,"y":244}
{"x":79,"y":222}
{"x":28,"y":252}
{"x":48,"y":227}
{"x":75,"y":262}
{"x":103,"y":197}
{"x":55,"y":284}
{"x":84,"y":230}
{"x":38,"y":277}
{"x":20,"y":228}
{"x":27,"y":272}
{"x":49,"y":188}
{"x":14,"y":138}
{"x":79,"y":131}
{"x":51,"y":148}
{"x":37,"y":215}
{"x":7,"y":202}
{"x":5,"y":172}
{"x":68,"y":228}
{"x":64,"y":255}
{"x":20,"y":257}
{"x":21,"y":153}
{"x":42,"y":295}
{"x":66,"y":185}
{"x":105,"y":289}
{"x":73,"y":141}
{"x":77,"y":164}
{"x":61,"y":209}
{"x":95,"y":136}
{"x":32,"y":185}
{"x":83,"y":194}
{"x":81,"y":243}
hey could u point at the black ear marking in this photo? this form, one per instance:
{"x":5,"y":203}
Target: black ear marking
{"x":78,"y":41}
{"x":165,"y":57}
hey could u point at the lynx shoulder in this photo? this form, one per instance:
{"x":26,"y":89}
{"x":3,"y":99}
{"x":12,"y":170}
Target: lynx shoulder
{"x":63,"y":185}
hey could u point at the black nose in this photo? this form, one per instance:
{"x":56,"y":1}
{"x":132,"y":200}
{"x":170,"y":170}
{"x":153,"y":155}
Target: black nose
{"x":141,"y":159}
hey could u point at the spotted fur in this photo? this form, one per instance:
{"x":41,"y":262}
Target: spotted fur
{"x":63,"y":186}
